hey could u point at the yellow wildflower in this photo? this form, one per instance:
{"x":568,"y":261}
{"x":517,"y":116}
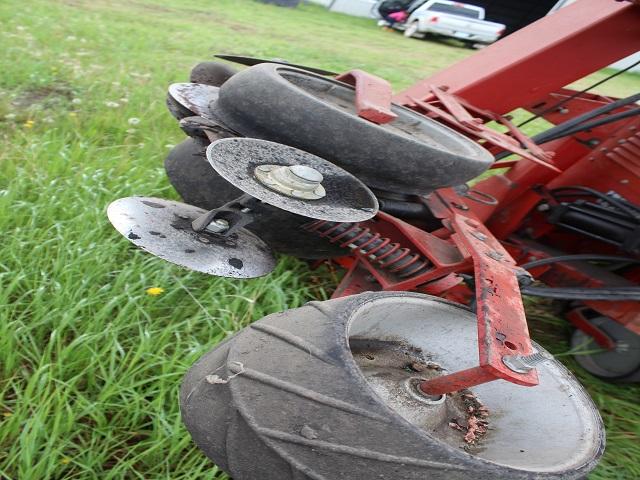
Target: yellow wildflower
{"x":155,"y":291}
{"x":29,"y":124}
{"x":65,"y":461}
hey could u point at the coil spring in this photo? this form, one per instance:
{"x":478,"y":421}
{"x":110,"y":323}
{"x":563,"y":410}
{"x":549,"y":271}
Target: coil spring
{"x":391,"y":256}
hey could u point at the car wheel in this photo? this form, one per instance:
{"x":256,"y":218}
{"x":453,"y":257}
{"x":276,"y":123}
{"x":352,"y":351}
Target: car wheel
{"x":411,"y":30}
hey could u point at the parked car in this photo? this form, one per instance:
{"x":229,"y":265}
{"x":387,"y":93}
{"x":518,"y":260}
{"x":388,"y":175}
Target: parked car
{"x":462,"y":21}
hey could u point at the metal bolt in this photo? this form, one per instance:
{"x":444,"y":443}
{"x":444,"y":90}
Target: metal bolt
{"x":495,"y":255}
{"x":218,"y":225}
{"x":297,"y":181}
{"x":525,"y":363}
{"x":480,"y":236}
{"x":307,"y":174}
{"x":543,"y":207}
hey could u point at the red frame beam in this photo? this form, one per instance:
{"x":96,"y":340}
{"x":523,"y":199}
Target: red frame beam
{"x":549,"y":54}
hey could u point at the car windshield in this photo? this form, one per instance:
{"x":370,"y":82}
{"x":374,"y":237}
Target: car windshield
{"x":459,"y":9}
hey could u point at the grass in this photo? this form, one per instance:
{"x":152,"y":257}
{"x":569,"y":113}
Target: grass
{"x":89,"y":362}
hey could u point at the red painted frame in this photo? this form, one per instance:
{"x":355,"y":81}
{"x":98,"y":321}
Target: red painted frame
{"x":528,"y":69}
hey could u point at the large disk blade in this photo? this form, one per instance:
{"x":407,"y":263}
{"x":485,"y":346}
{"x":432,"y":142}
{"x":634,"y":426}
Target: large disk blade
{"x":347,"y":198}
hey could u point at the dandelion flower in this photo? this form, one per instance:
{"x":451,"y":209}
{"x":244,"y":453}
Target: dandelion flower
{"x":29,"y":124}
{"x":134,"y":121}
{"x":155,"y":291}
{"x":112,"y":104}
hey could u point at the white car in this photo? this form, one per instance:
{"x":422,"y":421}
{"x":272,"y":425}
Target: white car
{"x":462,"y":21}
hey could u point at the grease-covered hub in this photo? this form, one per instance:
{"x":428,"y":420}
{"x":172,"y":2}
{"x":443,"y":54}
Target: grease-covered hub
{"x":395,"y":370}
{"x":298,"y":181}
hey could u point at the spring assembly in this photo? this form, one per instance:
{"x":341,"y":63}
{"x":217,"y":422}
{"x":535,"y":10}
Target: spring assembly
{"x":391,"y":256}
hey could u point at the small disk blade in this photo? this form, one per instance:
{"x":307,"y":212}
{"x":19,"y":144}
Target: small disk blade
{"x":163,"y":228}
{"x":346,"y":198}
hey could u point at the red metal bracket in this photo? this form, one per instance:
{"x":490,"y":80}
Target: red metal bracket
{"x":373,"y":96}
{"x":464,"y":246}
{"x":455,"y":112}
{"x":502,"y":325}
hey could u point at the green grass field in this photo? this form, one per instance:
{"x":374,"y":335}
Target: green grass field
{"x":90,"y":363}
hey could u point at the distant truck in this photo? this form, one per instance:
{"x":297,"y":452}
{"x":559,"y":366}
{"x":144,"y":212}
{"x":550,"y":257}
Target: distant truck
{"x":457,"y":20}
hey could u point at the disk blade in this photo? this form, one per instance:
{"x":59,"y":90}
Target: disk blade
{"x":163,"y":228}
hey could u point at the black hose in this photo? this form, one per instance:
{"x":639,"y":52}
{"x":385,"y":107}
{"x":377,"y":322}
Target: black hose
{"x":577,"y":94}
{"x":629,"y":209}
{"x":588,"y":116}
{"x":579,"y":258}
{"x":577,"y":293}
{"x":546,"y":137}
{"x":577,"y":124}
{"x":582,"y":293}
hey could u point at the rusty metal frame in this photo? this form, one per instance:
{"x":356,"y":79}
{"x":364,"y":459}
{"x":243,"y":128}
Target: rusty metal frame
{"x":466,"y":246}
{"x":533,"y":65}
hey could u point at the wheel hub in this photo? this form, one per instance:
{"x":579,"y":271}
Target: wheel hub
{"x":297,"y":181}
{"x":549,"y":427}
